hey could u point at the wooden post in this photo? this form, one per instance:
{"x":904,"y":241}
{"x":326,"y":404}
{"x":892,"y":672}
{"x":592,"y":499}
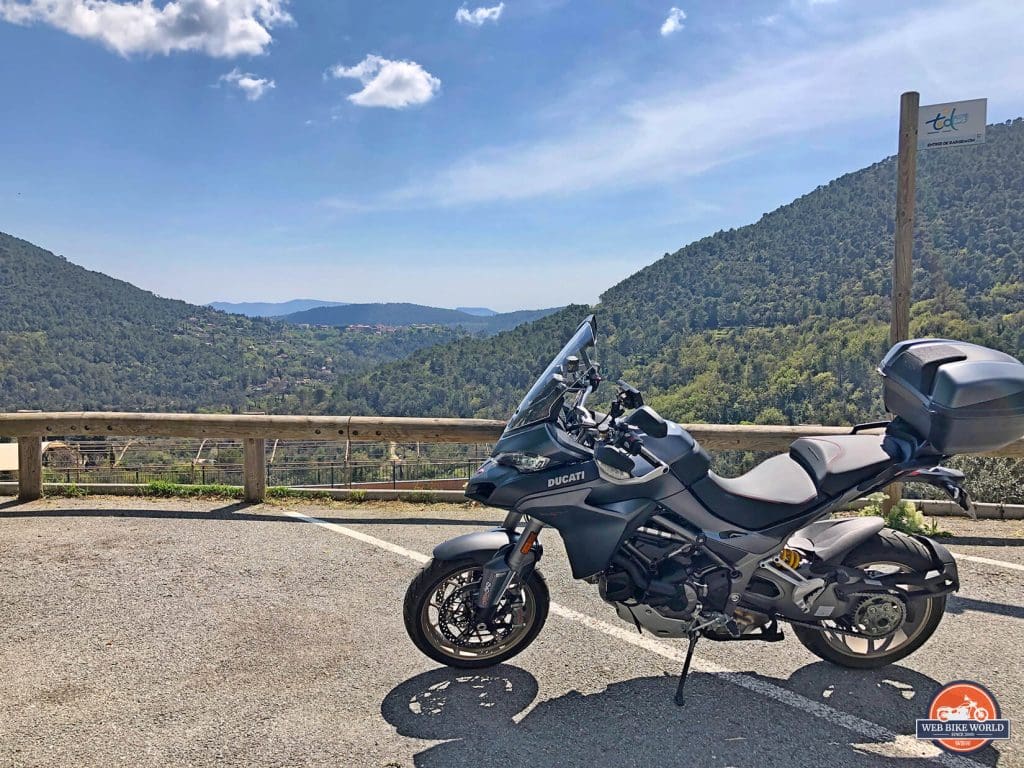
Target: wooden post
{"x":903,"y":257}
{"x":30,"y":468}
{"x":906,"y":181}
{"x":255,"y":455}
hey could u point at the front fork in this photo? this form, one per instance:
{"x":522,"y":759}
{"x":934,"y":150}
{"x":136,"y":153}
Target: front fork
{"x":511,"y":563}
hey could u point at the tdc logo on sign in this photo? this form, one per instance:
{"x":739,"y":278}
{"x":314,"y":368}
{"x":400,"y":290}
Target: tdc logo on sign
{"x":963,"y":717}
{"x":954,"y":124}
{"x":942,"y":123}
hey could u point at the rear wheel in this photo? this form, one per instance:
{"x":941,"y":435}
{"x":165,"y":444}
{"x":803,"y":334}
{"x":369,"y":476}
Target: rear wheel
{"x":438,"y":615}
{"x":898,"y":629}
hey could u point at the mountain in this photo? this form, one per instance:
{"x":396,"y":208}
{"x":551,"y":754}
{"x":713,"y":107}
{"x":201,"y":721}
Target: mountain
{"x":478,"y":311}
{"x":75,"y":339}
{"x":780,"y":321}
{"x":397,"y":314}
{"x":270,"y":308}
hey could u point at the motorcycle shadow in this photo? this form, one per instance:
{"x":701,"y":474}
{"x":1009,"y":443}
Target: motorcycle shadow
{"x":893,"y":696}
{"x":485,"y":718}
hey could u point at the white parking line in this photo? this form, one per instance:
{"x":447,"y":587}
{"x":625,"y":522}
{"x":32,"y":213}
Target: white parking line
{"x":987,"y":561}
{"x":883,"y":741}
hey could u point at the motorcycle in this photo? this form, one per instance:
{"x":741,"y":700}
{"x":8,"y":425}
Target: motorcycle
{"x":680,"y":552}
{"x":969,"y":710}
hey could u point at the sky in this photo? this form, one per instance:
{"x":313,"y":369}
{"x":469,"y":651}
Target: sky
{"x":517,"y":154}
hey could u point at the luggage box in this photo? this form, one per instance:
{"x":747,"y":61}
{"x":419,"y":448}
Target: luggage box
{"x":962,"y":398}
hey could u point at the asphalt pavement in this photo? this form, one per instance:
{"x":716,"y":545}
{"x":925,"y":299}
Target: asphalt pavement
{"x":144,"y":633}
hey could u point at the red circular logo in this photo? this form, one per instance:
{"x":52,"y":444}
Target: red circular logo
{"x":962,"y":701}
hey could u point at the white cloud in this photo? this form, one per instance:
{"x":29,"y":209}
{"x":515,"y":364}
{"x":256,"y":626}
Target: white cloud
{"x":253,"y":87}
{"x":679,"y":131}
{"x":386,"y":83}
{"x":674,"y":22}
{"x":479,"y":16}
{"x":222,"y":28}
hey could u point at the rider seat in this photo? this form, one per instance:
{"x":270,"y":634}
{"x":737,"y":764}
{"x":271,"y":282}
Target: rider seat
{"x":775,"y":490}
{"x":787,"y":485}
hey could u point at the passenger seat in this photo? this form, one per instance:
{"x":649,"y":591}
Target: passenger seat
{"x":837,"y":463}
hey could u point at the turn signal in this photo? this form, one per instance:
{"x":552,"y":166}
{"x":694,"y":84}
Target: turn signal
{"x":528,"y":543}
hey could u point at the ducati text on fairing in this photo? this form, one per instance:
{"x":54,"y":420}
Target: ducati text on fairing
{"x":572,"y":477}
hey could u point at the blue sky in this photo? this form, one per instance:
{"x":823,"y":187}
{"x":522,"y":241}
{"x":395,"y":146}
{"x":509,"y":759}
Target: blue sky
{"x":520,"y":154}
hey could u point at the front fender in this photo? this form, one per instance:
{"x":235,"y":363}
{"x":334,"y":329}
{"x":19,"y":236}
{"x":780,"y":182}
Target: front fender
{"x":480,"y":546}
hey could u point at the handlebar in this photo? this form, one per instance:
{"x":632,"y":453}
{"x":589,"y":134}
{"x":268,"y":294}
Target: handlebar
{"x":632,"y":445}
{"x":628,"y":398}
{"x":635,"y":446}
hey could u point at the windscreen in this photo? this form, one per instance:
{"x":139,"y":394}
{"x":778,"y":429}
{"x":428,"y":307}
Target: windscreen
{"x":544,"y":399}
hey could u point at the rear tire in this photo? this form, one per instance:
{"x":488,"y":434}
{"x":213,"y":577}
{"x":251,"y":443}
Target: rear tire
{"x":886,"y":547}
{"x":430,"y":639}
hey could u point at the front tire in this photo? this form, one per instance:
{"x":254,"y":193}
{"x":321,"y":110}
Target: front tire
{"x":437,"y":609}
{"x":887,"y":552}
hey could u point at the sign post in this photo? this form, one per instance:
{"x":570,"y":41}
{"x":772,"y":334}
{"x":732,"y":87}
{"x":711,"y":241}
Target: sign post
{"x":903,"y":257}
{"x":906,"y":182}
{"x":934,"y":126}
{"x":929,"y":127}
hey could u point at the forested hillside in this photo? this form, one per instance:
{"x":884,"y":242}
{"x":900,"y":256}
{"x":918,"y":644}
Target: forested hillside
{"x":473,"y":377}
{"x":75,"y":339}
{"x":397,"y":314}
{"x":781,"y":321}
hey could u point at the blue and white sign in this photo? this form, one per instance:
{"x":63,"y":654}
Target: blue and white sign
{"x":951,"y":125}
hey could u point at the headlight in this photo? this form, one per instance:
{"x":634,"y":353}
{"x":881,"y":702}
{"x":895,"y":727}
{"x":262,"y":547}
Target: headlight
{"x":524,"y":462}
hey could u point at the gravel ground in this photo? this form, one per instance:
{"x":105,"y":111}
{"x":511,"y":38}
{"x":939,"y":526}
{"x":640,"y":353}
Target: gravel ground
{"x":168,"y":633}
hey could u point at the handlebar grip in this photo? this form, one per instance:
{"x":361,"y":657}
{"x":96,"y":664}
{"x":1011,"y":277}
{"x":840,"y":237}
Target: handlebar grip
{"x":635,"y":446}
{"x":632,"y":444}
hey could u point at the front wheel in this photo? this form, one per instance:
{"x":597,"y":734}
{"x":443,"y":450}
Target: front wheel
{"x":898,"y":630}
{"x":438,"y":614}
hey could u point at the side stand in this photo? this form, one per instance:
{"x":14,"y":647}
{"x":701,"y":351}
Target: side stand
{"x":694,"y":636}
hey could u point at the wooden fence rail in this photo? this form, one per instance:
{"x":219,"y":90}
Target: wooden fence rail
{"x":255,"y":430}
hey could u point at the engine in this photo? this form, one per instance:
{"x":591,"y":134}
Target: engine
{"x":659,"y":579}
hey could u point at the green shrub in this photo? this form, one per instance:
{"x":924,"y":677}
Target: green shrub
{"x":165,"y":490}
{"x":904,"y":516}
{"x":283,"y":492}
{"x":358,"y":496}
{"x":419,"y":497}
{"x":68,"y":491}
